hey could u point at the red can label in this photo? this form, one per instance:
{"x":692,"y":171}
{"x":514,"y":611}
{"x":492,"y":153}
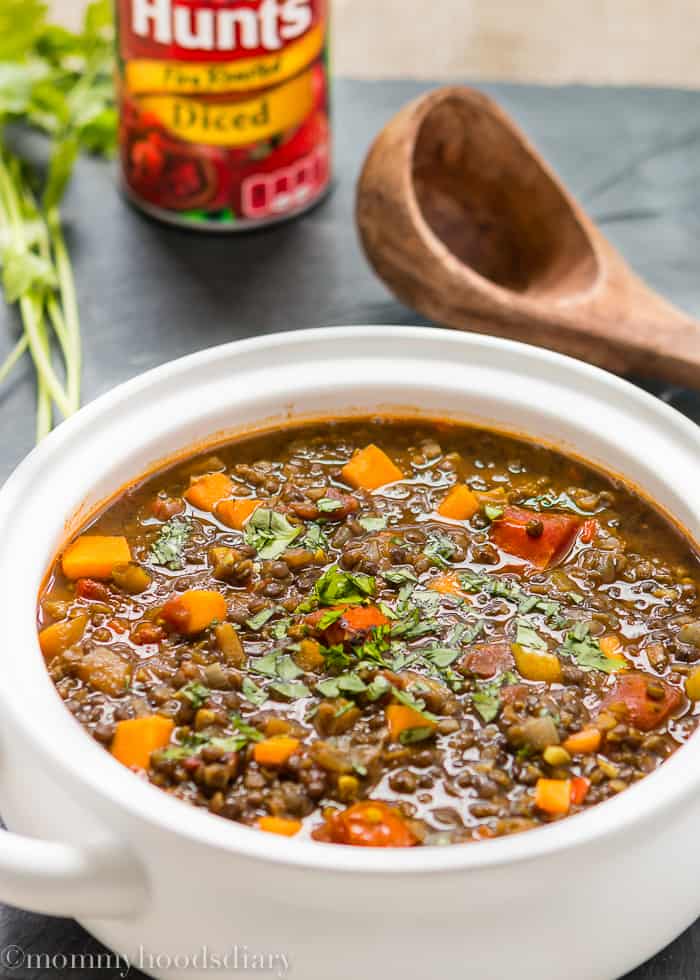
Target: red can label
{"x":224,"y":108}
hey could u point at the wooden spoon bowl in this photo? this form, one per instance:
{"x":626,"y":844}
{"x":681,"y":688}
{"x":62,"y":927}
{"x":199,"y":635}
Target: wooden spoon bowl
{"x":466,"y":223}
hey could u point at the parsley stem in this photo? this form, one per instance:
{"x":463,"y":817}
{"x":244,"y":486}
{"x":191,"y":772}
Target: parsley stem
{"x":14,"y":356}
{"x":31,"y":309}
{"x":71,"y":318}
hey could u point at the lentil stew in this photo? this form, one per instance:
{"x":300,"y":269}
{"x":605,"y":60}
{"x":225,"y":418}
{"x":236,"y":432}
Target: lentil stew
{"x":380,"y":632}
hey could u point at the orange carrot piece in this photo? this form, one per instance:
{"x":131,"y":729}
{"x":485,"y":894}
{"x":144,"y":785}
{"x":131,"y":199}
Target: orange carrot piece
{"x":401,"y":718}
{"x":275,"y":751}
{"x":447,"y":583}
{"x":94,"y":556}
{"x":611,"y":645}
{"x":370,"y":468}
{"x":460,"y":504}
{"x":579,"y":789}
{"x":553,"y":795}
{"x":234,"y":513}
{"x":278,"y":825}
{"x":194,"y":610}
{"x":61,"y":636}
{"x":206,"y":491}
{"x":584,"y":742}
{"x":134,"y":740}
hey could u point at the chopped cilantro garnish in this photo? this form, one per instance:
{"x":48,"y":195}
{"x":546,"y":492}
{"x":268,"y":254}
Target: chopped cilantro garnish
{"x":494,"y":512}
{"x":269,"y":533}
{"x":441,"y":657}
{"x":315,"y":539}
{"x":372,"y":523}
{"x":336,"y":587}
{"x":405,"y":697}
{"x":326,"y":505}
{"x":168,"y":548}
{"x":409,"y":736}
{"x":290,"y":690}
{"x":586,"y":651}
{"x":278,"y":630}
{"x":334,"y":687}
{"x":251,"y":692}
{"x":399,"y":575}
{"x":487,"y":698}
{"x":379,"y":686}
{"x":257,"y":621}
{"x":266,"y":665}
{"x":195,"y":693}
{"x":287,"y":670}
{"x":528,"y":637}
{"x":250,"y":733}
{"x":329,"y":617}
{"x":440,"y":549}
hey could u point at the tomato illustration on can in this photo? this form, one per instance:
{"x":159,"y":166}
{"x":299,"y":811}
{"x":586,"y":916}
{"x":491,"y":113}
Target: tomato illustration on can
{"x":224,"y":109}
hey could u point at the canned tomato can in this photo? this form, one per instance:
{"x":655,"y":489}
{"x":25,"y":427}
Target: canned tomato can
{"x":224,"y":109}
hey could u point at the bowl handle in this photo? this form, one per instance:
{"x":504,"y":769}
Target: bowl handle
{"x":91,"y":881}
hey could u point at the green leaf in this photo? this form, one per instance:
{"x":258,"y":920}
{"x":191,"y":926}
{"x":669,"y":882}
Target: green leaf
{"x":266,"y":665}
{"x":587,"y":653}
{"x":248,"y":731}
{"x":291,"y":690}
{"x":336,"y":587}
{"x":400,"y":575}
{"x":409,"y":736}
{"x":372,"y":523}
{"x":351,"y":684}
{"x":269,"y":533}
{"x":440,"y":549}
{"x":287,"y":670}
{"x":494,"y":512}
{"x":257,"y":621}
{"x":61,"y":165}
{"x":528,"y":637}
{"x":326,"y":505}
{"x":25,"y":272}
{"x":441,"y":657}
{"x":278,"y":630}
{"x":251,"y":692}
{"x":168,"y":548}
{"x":195,"y":693}
{"x":379,"y":686}
{"x":329,"y":617}
{"x":487,"y":698}
{"x":328,"y":688}
{"x":21,"y":22}
{"x":315,"y":539}
{"x":407,"y":699}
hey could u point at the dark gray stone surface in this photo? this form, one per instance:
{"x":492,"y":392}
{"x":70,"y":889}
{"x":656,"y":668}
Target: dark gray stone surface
{"x":149,"y":293}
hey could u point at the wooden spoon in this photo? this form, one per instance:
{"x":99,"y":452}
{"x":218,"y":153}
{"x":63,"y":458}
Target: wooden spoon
{"x":466,"y":223}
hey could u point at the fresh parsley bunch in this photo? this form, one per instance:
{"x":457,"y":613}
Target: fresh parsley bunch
{"x":59,"y":83}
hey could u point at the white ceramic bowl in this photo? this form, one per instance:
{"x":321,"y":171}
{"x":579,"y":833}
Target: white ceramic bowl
{"x":586,"y":898}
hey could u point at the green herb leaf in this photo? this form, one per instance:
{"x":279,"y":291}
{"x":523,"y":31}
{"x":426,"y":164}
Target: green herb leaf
{"x":329,"y":617}
{"x":379,"y":686}
{"x":409,"y":736}
{"x":326,"y":505}
{"x":257,"y":621}
{"x":441,"y":657}
{"x":287,"y":670}
{"x":290,"y":690}
{"x":269,"y":533}
{"x":494,"y":512}
{"x":278,"y":630}
{"x":587,"y":653}
{"x":195,"y":693}
{"x":168,"y":548}
{"x":251,"y":692}
{"x":528,"y":637}
{"x":315,"y":539}
{"x":250,"y":733}
{"x":372,"y":523}
{"x":487,"y":698}
{"x":266,"y":665}
{"x":440,"y":549}
{"x":336,"y":587}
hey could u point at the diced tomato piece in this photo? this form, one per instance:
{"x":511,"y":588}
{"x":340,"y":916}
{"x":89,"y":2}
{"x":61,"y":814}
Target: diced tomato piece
{"x":166,"y":507}
{"x":589,"y":530}
{"x":538,"y":538}
{"x":89,"y":588}
{"x":367,"y":824}
{"x":579,"y":789}
{"x":355,"y":623}
{"x":643,"y":700}
{"x":487,"y":659}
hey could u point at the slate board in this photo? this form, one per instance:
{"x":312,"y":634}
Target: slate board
{"x":149,"y":293}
